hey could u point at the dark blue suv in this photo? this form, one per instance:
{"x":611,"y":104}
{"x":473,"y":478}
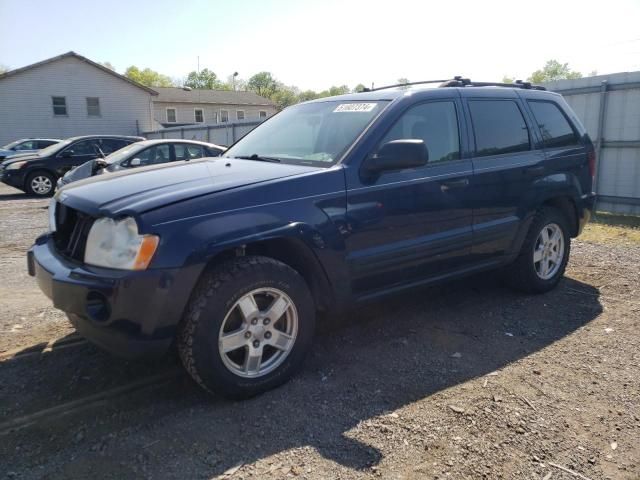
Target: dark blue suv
{"x":327,"y":204}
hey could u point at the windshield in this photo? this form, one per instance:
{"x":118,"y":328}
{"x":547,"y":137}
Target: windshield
{"x":56,"y":147}
{"x":124,"y":152}
{"x":312,"y":133}
{"x":9,"y":146}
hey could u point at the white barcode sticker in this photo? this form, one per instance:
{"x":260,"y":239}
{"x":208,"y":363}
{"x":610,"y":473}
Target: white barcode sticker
{"x":355,"y":107}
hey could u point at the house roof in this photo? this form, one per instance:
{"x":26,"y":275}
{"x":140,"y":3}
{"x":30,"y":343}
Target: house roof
{"x":81,"y":58}
{"x":225,"y":97}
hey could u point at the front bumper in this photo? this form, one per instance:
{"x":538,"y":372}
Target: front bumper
{"x":13,"y":178}
{"x":131,"y":314}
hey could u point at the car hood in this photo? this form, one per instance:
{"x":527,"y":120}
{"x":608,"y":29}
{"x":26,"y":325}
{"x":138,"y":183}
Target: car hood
{"x":136,"y":191}
{"x":20,"y":157}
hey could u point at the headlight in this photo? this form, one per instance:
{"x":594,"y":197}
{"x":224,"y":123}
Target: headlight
{"x":117,"y":244}
{"x":16,"y":165}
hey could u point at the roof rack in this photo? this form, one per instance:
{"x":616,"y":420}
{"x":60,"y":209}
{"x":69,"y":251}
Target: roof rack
{"x":459,"y":81}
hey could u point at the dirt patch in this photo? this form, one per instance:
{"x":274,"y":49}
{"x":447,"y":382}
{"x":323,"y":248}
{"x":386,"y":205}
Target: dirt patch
{"x":465,"y":380}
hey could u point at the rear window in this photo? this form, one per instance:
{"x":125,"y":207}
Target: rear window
{"x":499,"y":127}
{"x":555,"y":128}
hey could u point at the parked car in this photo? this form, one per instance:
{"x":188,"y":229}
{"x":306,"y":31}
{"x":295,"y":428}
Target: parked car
{"x":326,"y":205}
{"x":140,"y":154}
{"x":37,"y":174}
{"x":26,"y":145}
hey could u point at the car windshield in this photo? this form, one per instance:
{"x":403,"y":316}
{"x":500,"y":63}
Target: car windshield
{"x":315,"y":133}
{"x":124,"y":153}
{"x":9,"y":146}
{"x":56,"y":147}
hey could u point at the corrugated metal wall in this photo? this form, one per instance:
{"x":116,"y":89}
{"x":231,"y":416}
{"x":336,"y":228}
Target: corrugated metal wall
{"x":609,"y":108}
{"x":224,"y":134}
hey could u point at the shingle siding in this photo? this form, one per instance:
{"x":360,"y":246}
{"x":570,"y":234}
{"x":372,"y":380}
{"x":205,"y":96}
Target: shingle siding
{"x":26,"y":105}
{"x":185,"y":112}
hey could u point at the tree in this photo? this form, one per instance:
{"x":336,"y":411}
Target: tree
{"x":307,"y":95}
{"x":553,"y":70}
{"x":148,"y":77}
{"x":402,"y":80}
{"x":285,"y":96}
{"x":507,"y":79}
{"x":359,"y":88}
{"x":109,"y":65}
{"x":205,"y":79}
{"x":263,"y":84}
{"x":235,"y":83}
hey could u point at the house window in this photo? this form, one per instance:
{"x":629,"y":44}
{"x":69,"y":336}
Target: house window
{"x":199,"y":114}
{"x":93,"y":106}
{"x":224,"y":116}
{"x":59,"y":105}
{"x":262,"y":114}
{"x":239,"y":114}
{"x":171,"y":115}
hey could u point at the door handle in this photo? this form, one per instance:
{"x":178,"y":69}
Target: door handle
{"x":534,"y":171}
{"x":447,"y":185}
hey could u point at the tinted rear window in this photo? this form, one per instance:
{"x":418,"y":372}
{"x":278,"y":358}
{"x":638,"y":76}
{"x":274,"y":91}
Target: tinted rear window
{"x":499,"y":127}
{"x":555,"y":128}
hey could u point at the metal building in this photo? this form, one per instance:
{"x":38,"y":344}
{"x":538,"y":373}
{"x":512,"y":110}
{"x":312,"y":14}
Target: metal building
{"x":609,"y":108}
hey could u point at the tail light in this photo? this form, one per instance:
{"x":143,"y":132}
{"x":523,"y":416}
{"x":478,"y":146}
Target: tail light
{"x":592,"y":163}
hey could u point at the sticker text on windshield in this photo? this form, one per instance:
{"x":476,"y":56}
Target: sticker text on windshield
{"x":355,"y":107}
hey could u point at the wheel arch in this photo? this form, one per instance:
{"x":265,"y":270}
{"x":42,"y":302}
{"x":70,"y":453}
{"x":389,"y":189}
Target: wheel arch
{"x":39,"y":169}
{"x":567,"y":205}
{"x":291,"y":251}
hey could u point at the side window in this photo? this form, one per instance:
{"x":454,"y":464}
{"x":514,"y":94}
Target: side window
{"x":153,"y":156}
{"x":187,"y":152}
{"x":499,"y":127}
{"x":436,"y":123}
{"x":85,"y":147}
{"x":555,"y":128}
{"x":29,"y":145}
{"x":45,"y":143}
{"x":110,"y":145}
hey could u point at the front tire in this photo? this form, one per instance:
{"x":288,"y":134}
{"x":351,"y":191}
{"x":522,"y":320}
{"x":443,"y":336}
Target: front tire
{"x":247,"y":328}
{"x":40,"y":184}
{"x":544,"y":254}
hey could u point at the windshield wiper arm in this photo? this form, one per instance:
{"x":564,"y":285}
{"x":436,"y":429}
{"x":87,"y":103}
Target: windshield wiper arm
{"x":260,"y":158}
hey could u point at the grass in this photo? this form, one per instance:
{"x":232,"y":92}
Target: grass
{"x":608,"y":227}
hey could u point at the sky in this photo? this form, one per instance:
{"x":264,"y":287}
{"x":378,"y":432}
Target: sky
{"x":313,"y":44}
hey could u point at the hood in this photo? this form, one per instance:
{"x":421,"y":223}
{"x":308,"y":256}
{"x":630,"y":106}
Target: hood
{"x":142,"y":189}
{"x":19,"y":157}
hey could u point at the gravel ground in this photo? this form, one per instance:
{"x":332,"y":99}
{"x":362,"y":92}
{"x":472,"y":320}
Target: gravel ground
{"x":465,"y":380}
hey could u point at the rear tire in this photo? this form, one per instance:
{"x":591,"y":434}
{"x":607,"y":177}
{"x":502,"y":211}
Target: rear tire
{"x":247,"y":328}
{"x":40,"y":184}
{"x":544,"y":254}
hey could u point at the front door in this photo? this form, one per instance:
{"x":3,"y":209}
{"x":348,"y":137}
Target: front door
{"x":406,"y":226}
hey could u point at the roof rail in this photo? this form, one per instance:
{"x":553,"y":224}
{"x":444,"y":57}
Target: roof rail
{"x":459,"y":81}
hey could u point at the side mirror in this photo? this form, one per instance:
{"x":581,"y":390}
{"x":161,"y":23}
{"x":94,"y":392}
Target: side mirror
{"x":135,"y":162}
{"x":67,"y":154}
{"x":101,"y":163}
{"x":397,"y":155}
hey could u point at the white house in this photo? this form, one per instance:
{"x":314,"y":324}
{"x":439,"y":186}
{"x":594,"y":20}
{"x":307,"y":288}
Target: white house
{"x":183,"y":106}
{"x":70,"y":95}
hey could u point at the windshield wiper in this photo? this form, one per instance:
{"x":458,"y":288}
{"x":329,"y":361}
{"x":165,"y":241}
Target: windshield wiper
{"x":260,"y":158}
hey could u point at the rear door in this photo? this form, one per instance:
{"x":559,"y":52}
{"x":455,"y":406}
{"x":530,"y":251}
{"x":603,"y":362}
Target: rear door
{"x":409,"y":225}
{"x":76,"y":154}
{"x":507,"y":158}
{"x":566,"y":151}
